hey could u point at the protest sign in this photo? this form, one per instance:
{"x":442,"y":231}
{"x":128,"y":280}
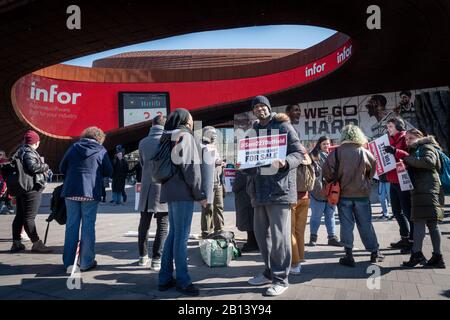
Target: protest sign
{"x":137,"y":195}
{"x":261,"y":151}
{"x":403,"y":177}
{"x":385,"y":161}
{"x":229,"y":175}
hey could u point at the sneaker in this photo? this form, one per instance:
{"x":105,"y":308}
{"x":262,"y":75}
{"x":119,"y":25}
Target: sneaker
{"x":190,"y":290}
{"x":94,"y":265}
{"x":296,"y":270}
{"x":40,"y":247}
{"x":312,"y":240}
{"x":376,"y":256}
{"x":259,"y":280}
{"x":156,"y":264}
{"x":143,"y":261}
{"x":17,"y":246}
{"x":10,"y":208}
{"x":333,"y":241}
{"x":276,"y":290}
{"x":24,"y":237}
{"x":167,"y":286}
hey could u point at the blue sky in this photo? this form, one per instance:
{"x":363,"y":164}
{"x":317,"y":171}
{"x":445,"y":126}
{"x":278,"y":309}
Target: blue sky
{"x":265,"y":37}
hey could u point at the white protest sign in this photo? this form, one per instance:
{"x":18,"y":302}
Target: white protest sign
{"x":261,"y":151}
{"x":385,"y":161}
{"x":403,"y":177}
{"x":229,"y":175}
{"x":137,"y":195}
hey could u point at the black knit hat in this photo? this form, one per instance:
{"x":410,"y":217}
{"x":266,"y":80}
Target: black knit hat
{"x":263,"y":100}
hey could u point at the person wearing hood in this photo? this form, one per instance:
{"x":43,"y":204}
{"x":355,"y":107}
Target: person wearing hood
{"x":180,"y":192}
{"x":354,"y":167}
{"x":427,"y":197}
{"x":274,"y":191}
{"x":400,"y":200}
{"x":84,"y":166}
{"x":34,"y":181}
{"x":149,"y":200}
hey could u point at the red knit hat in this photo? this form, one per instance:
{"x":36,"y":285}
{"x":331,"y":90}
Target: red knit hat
{"x":31,"y":137}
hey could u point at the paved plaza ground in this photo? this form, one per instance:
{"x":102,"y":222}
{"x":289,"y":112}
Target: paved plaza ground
{"x":41,"y":276}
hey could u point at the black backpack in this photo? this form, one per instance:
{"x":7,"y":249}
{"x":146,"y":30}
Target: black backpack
{"x":15,"y":177}
{"x":58,"y":210}
{"x":58,"y":207}
{"x":163,"y":167}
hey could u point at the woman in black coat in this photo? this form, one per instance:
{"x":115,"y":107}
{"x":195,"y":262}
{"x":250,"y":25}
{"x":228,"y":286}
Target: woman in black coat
{"x":33,"y":180}
{"x":120,"y":172}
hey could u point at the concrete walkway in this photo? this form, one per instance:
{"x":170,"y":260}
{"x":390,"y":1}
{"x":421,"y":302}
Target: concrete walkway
{"x":37,"y":276}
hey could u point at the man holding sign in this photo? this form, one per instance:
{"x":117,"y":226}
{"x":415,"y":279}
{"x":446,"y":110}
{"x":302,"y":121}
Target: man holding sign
{"x":271,"y":157}
{"x":400,"y":200}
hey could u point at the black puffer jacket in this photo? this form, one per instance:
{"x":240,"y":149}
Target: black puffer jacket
{"x":35,"y":170}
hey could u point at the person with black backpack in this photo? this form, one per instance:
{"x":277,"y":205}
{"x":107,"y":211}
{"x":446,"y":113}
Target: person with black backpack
{"x":180,"y":190}
{"x":31,"y":179}
{"x":84,"y":166}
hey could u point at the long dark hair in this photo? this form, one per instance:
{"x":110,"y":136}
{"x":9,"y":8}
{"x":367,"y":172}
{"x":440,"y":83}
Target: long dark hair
{"x":316,"y":150}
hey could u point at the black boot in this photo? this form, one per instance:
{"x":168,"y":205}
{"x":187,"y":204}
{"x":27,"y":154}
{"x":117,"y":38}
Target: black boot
{"x":348,"y":259}
{"x":376,"y":256}
{"x":436,"y":261}
{"x":403,"y":243}
{"x":312,"y":240}
{"x":415,"y":259}
{"x":251,"y":244}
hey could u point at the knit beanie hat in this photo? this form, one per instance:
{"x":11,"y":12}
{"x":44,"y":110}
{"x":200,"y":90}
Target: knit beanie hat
{"x":31,"y":137}
{"x":263,"y":100}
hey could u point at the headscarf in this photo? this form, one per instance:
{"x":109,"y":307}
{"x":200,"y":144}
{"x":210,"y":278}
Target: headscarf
{"x":177,"y":120}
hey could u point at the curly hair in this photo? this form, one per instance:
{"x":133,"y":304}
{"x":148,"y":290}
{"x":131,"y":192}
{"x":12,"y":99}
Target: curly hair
{"x":94,"y":133}
{"x":353,"y":133}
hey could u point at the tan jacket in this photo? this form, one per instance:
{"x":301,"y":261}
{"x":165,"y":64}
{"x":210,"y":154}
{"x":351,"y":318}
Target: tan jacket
{"x":356,"y":169}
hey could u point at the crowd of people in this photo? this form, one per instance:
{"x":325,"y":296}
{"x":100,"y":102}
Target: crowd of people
{"x":271,"y":203}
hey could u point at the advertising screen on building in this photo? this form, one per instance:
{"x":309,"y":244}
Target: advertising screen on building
{"x":135,"y":107}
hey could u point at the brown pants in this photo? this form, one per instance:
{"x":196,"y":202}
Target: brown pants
{"x":299,"y":217}
{"x":212,"y":215}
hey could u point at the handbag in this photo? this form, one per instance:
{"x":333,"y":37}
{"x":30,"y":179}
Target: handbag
{"x":333,"y":189}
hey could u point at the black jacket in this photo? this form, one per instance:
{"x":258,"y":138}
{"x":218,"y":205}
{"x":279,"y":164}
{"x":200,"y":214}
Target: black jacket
{"x":35,"y":170}
{"x":281,"y":187}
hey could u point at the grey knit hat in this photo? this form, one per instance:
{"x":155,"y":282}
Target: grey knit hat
{"x":263,"y":100}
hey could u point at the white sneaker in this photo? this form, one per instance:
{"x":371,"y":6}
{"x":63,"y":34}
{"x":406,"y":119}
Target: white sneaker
{"x":156,"y":265}
{"x":143,"y":261}
{"x":296,"y":270}
{"x":275,"y":290}
{"x":259,"y":280}
{"x":24,"y":237}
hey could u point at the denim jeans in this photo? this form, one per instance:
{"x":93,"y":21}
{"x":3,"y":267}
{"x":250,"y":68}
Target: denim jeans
{"x":117,"y":197}
{"x":359,"y":211}
{"x":84,"y":212}
{"x":401,"y":208}
{"x":384,"y":194}
{"x":175,"y":247}
{"x":318,"y":209}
